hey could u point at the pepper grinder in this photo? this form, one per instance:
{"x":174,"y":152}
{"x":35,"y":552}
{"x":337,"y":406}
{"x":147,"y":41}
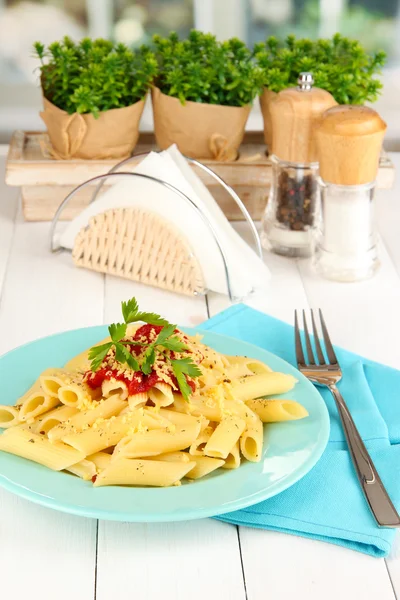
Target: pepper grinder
{"x":293,"y":203}
{"x":349,"y":142}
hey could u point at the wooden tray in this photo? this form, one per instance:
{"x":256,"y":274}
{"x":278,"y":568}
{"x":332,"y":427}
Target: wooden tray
{"x":45,"y":182}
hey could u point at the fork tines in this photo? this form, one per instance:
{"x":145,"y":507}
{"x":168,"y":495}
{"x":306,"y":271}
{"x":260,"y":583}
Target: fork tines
{"x":311,"y":359}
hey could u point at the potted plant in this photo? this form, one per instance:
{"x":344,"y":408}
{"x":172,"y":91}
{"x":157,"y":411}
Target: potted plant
{"x":339,"y":65}
{"x":203,"y":94}
{"x":93,"y":96}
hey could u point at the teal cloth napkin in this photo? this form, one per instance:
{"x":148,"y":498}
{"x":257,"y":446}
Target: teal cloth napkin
{"x":328,"y":504}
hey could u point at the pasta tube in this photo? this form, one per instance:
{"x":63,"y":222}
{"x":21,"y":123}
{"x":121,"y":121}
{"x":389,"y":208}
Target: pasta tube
{"x":197,"y":447}
{"x":110,"y":387}
{"x":100,"y":459}
{"x":172,"y":457}
{"x":56,"y":456}
{"x":85,"y":469}
{"x":128,"y":471}
{"x":36,"y":404}
{"x":161,"y":394}
{"x":76,"y":395}
{"x":274,"y":410}
{"x":181,"y":419}
{"x":251,"y":442}
{"x":53,"y":418}
{"x":108,"y":433}
{"x":151,"y":443}
{"x":233,"y":459}
{"x":8,"y":416}
{"x":52,"y":379}
{"x":137,"y":400}
{"x":204,"y":466}
{"x":83,"y":419}
{"x":224,"y":437}
{"x":253,"y":365}
{"x":262,"y":385}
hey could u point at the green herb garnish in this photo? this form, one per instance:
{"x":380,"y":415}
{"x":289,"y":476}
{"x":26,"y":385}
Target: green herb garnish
{"x":182,"y":367}
{"x":165,"y":340}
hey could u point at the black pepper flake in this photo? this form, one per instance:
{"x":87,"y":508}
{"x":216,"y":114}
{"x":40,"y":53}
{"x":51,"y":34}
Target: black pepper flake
{"x":42,"y":432}
{"x":31,"y":441}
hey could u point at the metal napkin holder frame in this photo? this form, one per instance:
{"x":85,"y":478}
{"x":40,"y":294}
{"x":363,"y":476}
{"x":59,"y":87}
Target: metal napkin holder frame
{"x":113,"y":172}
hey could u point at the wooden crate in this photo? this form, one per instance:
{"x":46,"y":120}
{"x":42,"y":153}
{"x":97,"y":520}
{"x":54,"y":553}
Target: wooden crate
{"x":45,"y":182}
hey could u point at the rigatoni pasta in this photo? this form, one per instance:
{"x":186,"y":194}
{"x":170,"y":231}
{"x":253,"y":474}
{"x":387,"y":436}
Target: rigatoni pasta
{"x":148,"y":406}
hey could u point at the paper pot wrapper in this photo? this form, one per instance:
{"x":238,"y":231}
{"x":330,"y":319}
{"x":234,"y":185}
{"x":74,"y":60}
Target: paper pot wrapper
{"x":265,"y":102}
{"x":113,"y":135}
{"x":199,"y":130}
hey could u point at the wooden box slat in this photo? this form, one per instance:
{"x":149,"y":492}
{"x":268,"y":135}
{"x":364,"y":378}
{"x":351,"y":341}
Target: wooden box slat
{"x":45,"y":182}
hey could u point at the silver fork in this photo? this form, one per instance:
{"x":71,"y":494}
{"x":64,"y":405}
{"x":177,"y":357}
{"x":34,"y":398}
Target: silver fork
{"x":329,"y":374}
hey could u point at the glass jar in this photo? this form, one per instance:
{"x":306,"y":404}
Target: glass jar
{"x":346,"y":237}
{"x":293,"y":204}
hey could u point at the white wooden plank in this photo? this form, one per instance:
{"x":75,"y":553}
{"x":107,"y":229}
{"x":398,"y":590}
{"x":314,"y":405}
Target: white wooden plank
{"x":182,"y":552}
{"x":388,"y":215}
{"x":43,"y":294}
{"x":393,"y":565}
{"x":8,"y":209}
{"x":42,"y":551}
{"x":316,"y":569}
{"x":364,"y":316}
{"x":173,"y":561}
{"x":266,"y":554}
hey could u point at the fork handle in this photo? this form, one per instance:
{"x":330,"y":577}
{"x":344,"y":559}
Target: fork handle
{"x":377,"y":497}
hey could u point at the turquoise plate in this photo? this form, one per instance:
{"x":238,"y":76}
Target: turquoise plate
{"x":290,"y":449}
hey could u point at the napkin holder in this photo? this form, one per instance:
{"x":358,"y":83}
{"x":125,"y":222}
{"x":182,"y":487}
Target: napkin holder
{"x":142,"y":246}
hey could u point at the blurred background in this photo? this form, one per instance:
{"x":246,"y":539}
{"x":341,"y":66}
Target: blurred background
{"x":376,"y":23}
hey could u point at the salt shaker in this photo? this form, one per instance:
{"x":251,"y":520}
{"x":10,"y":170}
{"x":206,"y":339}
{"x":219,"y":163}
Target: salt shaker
{"x":349,"y":142}
{"x":293,"y":203}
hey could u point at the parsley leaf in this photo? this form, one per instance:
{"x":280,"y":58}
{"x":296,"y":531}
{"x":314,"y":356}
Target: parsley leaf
{"x":131,"y":314}
{"x":123,"y":355}
{"x":117,"y":331}
{"x":148,"y":362}
{"x":184,"y":387}
{"x":164,"y":334}
{"x":174,"y":344}
{"x":187,"y":366}
{"x":97,"y":354}
{"x":150,"y":318}
{"x":181,"y":368}
{"x":129,"y":310}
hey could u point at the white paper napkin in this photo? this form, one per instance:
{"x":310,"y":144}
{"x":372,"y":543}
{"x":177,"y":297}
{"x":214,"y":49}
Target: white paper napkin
{"x":247,"y":271}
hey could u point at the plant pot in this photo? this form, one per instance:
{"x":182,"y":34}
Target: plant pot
{"x":113,"y":135}
{"x":265,"y":101}
{"x":199,"y":130}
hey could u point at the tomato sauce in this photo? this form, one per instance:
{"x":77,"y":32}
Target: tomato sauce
{"x":140,"y":383}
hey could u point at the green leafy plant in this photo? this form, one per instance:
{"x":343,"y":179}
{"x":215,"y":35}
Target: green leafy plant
{"x":339,"y":65}
{"x":202,"y":69}
{"x":94,"y":75}
{"x":165,"y":340}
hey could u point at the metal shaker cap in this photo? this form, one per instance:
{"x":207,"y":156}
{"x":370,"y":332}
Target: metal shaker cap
{"x":305,"y":81}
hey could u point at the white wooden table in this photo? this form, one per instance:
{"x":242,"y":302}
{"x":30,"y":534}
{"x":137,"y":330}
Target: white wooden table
{"x":46,"y":554}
